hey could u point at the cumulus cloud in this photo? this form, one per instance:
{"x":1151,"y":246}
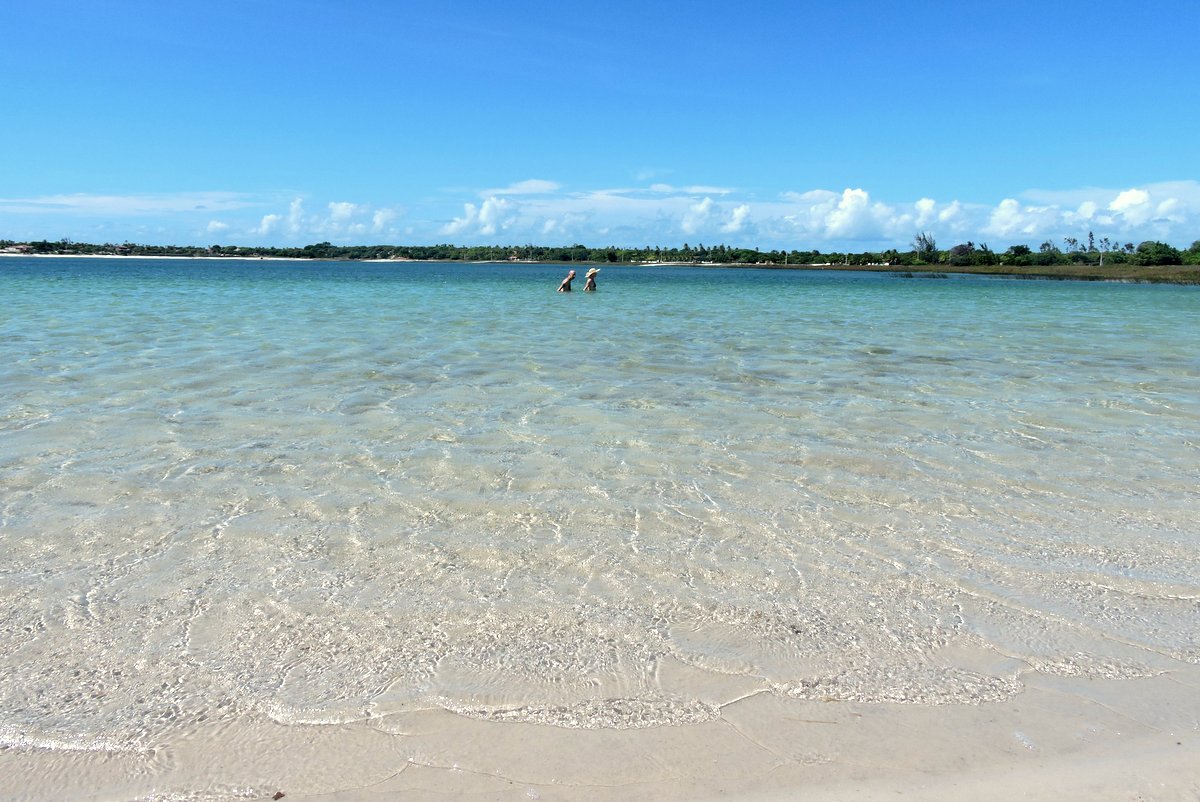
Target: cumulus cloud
{"x":342,"y":221}
{"x":1169,"y":211}
{"x":1133,"y":205}
{"x":818,"y":217}
{"x":737,"y":220}
{"x":1129,"y":198}
{"x":1026,"y":222}
{"x":380,"y":220}
{"x":951,"y":212}
{"x":698,"y":216}
{"x":342,"y":211}
{"x":822,"y":218}
{"x":926,"y":210}
{"x":540,"y":210}
{"x":1007,"y":219}
{"x":708,"y":216}
{"x":295,"y":216}
{"x":491,"y":216}
{"x":268,"y":225}
{"x":851,"y":217}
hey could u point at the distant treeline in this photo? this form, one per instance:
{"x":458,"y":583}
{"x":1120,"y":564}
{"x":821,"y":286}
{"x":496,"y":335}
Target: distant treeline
{"x":924,"y":252}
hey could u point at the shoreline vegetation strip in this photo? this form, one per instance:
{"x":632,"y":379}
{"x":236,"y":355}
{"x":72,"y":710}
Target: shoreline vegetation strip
{"x":1152,"y":262}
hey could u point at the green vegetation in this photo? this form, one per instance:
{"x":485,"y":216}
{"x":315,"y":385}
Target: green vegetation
{"x":1089,"y":259}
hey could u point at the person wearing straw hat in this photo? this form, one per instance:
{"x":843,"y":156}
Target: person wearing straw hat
{"x":590,"y":286}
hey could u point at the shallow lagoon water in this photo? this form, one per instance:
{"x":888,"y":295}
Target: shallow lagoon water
{"x":325,"y":493}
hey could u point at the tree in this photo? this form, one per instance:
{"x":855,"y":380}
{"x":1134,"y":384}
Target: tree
{"x":1156,"y":253}
{"x":925,"y":248}
{"x":985,"y":256}
{"x":1018,"y":255}
{"x":1048,"y":254}
{"x":962,"y":254}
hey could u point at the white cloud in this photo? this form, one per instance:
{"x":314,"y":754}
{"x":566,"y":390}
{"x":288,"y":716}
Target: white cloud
{"x":343,"y":222}
{"x":709,"y":216}
{"x":1172,"y":209}
{"x":737,"y":220}
{"x":295,"y":217}
{"x":812,"y":196}
{"x":541,"y":211}
{"x":532,"y":186}
{"x":1129,"y":198}
{"x":92,"y":205}
{"x":1025,"y":222}
{"x":1167,"y":211}
{"x":380,"y":220}
{"x":461,"y":224}
{"x":1006,"y":219}
{"x":951,"y":212}
{"x":342,"y":211}
{"x":851,"y":217}
{"x":698,"y":216}
{"x":926,"y":210}
{"x":663,"y":213}
{"x":490,"y":217}
{"x":1133,"y":205}
{"x":817,"y":218}
{"x":268,"y":225}
{"x":694,"y":189}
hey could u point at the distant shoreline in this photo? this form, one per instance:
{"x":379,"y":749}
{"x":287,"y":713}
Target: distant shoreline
{"x":160,"y":256}
{"x":1119,"y":273}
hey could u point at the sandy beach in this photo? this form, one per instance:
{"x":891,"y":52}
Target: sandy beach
{"x":1057,"y":739}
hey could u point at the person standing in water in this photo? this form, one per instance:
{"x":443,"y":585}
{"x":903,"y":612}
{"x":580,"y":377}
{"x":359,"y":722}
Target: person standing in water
{"x":590,"y":286}
{"x":566,"y":283}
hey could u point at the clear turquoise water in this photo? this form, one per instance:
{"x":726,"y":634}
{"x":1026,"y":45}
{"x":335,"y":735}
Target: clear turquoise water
{"x":319,"y":493}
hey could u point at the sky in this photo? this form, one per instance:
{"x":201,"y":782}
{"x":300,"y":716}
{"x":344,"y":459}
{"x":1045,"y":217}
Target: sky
{"x":850,"y":125}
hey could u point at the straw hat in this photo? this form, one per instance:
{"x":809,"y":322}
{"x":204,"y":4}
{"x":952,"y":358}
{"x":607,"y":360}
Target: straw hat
{"x":593,"y":272}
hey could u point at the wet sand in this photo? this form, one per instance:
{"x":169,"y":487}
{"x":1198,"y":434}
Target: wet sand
{"x":1058,"y":739}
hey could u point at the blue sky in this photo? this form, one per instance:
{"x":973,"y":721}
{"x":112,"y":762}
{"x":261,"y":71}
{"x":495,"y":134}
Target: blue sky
{"x":849,"y":125}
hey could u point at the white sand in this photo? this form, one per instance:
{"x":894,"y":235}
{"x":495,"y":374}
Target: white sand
{"x":1061,"y":739}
